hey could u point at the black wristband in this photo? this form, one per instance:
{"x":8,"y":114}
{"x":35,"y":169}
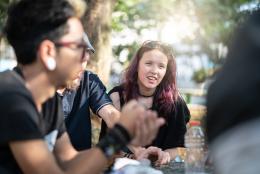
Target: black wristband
{"x":116,"y":139}
{"x":123,"y":132}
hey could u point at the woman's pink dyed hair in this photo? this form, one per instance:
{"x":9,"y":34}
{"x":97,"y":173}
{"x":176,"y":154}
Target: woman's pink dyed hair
{"x":166,"y":92}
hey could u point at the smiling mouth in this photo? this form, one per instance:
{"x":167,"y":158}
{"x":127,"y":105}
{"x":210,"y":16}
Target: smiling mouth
{"x":151,"y":78}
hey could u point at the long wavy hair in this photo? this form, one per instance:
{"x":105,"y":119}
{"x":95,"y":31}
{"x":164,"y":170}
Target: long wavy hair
{"x":166,"y":92}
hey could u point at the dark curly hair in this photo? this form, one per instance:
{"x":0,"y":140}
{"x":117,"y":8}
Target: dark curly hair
{"x":29,"y":22}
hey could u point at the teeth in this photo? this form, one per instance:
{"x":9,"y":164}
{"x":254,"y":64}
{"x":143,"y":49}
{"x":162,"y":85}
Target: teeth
{"x":151,"y":78}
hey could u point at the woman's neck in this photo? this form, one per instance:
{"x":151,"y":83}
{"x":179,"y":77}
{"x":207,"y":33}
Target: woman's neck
{"x":147,"y":102}
{"x":145,"y":95}
{"x":146,"y":92}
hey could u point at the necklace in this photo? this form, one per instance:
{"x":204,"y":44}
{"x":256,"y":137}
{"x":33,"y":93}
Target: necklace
{"x":145,"y":96}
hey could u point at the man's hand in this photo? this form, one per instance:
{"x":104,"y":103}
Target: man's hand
{"x":141,"y":124}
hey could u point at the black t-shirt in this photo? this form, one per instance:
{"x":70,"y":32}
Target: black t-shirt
{"x":171,"y":134}
{"x":20,"y":119}
{"x":91,"y":94}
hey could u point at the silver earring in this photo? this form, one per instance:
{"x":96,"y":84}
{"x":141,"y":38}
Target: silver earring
{"x":51,"y":64}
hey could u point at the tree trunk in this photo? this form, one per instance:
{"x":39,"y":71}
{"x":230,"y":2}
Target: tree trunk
{"x":97,"y":23}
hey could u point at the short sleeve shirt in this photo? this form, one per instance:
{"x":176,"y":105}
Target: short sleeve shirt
{"x":91,"y":94}
{"x":20,"y":119}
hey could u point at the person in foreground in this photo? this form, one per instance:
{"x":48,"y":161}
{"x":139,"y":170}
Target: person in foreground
{"x":151,"y":79}
{"x":50,"y":49}
{"x":233,"y":115}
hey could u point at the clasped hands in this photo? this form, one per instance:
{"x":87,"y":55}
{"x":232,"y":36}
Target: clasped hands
{"x":141,"y":124}
{"x":156,"y":155}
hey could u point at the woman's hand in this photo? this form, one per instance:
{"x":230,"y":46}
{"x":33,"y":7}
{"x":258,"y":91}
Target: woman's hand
{"x":156,"y":155}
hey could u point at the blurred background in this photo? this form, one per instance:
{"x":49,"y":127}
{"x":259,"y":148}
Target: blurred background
{"x":198,"y":30}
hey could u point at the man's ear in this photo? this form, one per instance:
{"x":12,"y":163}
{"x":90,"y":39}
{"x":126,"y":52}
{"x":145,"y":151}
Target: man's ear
{"x":46,"y":53}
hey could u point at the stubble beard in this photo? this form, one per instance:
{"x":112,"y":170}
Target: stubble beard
{"x":73,"y":85}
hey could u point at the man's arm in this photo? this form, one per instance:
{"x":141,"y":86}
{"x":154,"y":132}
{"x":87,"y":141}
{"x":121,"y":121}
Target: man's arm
{"x":116,"y":100}
{"x":69,"y":159}
{"x":33,"y":156}
{"x":109,"y":114}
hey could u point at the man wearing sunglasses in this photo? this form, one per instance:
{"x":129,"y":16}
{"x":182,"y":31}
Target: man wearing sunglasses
{"x":33,"y":137}
{"x":82,"y":94}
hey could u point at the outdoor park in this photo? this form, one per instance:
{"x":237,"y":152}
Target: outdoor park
{"x":199,"y":32}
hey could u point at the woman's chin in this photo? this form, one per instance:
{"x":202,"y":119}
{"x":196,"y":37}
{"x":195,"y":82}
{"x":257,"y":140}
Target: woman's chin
{"x":151,"y":86}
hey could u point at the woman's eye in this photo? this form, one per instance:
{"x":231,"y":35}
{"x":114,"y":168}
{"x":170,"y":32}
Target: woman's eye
{"x":161,"y":66}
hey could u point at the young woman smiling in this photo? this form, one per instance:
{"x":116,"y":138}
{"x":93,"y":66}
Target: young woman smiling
{"x":151,"y":79}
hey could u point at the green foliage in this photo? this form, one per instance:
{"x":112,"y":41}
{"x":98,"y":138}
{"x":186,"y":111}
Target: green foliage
{"x":216,"y":18}
{"x":200,"y":75}
{"x":219,"y":18}
{"x":150,"y":12}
